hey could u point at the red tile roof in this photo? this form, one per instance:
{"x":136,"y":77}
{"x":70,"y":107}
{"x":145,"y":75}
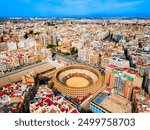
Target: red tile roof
{"x":74,"y":111}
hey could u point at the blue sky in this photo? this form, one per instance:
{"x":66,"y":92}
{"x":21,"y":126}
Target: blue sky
{"x":70,"y":8}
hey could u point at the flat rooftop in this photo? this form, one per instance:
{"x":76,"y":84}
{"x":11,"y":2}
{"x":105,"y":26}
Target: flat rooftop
{"x":16,"y":76}
{"x":113,"y":103}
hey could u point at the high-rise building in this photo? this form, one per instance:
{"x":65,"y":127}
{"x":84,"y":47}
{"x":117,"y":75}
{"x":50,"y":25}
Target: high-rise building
{"x":107,"y":76}
{"x":122,"y":80}
{"x":128,"y":88}
{"x":55,"y":40}
{"x":112,"y":80}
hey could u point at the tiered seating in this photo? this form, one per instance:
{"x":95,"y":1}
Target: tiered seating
{"x":90,"y":76}
{"x":77,"y":75}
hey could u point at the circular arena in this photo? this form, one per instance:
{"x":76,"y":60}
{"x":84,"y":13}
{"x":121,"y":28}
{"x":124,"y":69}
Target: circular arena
{"x":77,"y":80}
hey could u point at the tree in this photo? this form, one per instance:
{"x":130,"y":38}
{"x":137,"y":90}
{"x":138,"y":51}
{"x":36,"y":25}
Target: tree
{"x":26,"y":36}
{"x":51,"y":46}
{"x":31,"y":32}
{"x":73,"y":50}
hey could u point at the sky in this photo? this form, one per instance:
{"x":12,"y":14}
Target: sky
{"x":72,"y":8}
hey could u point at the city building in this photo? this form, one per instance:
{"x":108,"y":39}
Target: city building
{"x":33,"y":50}
{"x":119,"y":62}
{"x":110,"y":104}
{"x":13,"y":96}
{"x":46,"y":102}
{"x":122,"y":80}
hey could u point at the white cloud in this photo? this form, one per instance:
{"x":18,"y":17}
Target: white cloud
{"x":84,"y":7}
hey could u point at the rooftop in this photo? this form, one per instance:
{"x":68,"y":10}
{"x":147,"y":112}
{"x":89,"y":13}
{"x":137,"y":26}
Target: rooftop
{"x":112,"y":103}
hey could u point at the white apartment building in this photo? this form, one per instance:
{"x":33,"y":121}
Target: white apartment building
{"x":83,"y":54}
{"x":12,"y":45}
{"x":119,"y":62}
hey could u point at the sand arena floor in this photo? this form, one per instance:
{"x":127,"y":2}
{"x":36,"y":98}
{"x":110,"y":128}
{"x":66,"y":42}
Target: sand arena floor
{"x":77,"y":82}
